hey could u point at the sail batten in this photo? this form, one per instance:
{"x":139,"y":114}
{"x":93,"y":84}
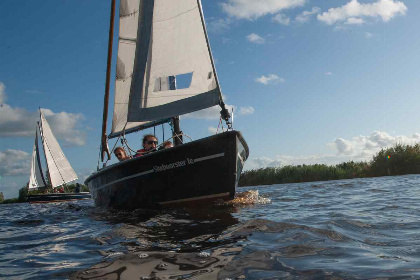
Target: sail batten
{"x":159,"y":39}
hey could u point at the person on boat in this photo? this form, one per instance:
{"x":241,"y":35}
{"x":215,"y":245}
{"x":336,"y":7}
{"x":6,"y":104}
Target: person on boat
{"x":149,"y":145}
{"x":120,"y":153}
{"x":166,"y":145}
{"x":77,"y":188}
{"x":61,"y":190}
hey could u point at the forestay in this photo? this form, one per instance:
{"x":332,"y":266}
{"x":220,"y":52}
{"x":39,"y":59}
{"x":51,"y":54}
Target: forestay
{"x":159,"y":39}
{"x":36,"y":179}
{"x":59,"y":168}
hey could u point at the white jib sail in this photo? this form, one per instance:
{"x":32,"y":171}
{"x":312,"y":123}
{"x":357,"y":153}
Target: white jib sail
{"x":158,"y":39}
{"x":36,"y":179}
{"x":59,"y":168}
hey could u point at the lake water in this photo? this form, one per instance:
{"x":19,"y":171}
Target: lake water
{"x":349,"y":229}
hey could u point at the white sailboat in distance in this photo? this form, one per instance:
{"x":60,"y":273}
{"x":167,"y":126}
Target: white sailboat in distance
{"x":59,"y":169}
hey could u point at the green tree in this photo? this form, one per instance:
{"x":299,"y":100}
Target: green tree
{"x":1,"y":197}
{"x":23,"y":193}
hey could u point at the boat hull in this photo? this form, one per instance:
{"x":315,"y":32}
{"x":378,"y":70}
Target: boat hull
{"x":57,"y":197}
{"x":205,"y":169}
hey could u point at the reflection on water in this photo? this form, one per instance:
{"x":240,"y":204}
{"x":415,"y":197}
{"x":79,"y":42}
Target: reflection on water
{"x":350,"y":229}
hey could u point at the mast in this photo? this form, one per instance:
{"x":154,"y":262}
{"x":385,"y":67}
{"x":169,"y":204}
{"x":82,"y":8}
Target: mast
{"x":104,"y":141}
{"x":175,"y":120}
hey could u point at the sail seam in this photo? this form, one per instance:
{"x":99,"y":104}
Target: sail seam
{"x":176,"y":15}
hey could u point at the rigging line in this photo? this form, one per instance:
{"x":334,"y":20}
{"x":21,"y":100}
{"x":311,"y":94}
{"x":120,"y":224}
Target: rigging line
{"x":112,"y":150}
{"x":125,"y":140}
{"x":128,"y":147}
{"x":220,"y":121}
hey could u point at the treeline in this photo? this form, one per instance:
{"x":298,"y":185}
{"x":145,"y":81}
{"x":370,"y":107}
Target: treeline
{"x":398,"y":160}
{"x":23,"y":193}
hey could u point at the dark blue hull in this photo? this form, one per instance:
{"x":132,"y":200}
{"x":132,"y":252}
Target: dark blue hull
{"x":206,"y":169}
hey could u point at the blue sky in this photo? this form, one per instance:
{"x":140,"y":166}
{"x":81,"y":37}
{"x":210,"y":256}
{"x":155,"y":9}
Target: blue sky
{"x":310,"y":81}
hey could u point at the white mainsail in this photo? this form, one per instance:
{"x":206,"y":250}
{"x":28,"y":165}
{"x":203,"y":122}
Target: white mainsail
{"x":159,"y":39}
{"x":36,"y":179}
{"x":59,"y":168}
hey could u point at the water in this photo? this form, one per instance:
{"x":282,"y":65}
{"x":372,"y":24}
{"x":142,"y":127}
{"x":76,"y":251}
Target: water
{"x":349,"y":229}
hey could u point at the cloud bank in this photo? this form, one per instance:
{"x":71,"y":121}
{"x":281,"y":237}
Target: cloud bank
{"x":253,"y":9}
{"x":19,"y":122}
{"x":359,"y":148}
{"x":14,"y":163}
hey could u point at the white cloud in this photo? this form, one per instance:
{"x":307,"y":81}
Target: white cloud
{"x":353,"y":11}
{"x":355,"y":21}
{"x":306,"y":15}
{"x":328,"y":73}
{"x":212,"y":129}
{"x":368,"y":35}
{"x":255,"y":38}
{"x":360,"y":148}
{"x":252,"y":9}
{"x":282,"y":19}
{"x":2,"y":93}
{"x":246,"y":110}
{"x":218,"y":25}
{"x":14,"y":163}
{"x":365,"y":147}
{"x":19,"y":122}
{"x":270,"y":79}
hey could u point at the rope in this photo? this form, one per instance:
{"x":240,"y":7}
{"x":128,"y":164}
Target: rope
{"x":220,"y":121}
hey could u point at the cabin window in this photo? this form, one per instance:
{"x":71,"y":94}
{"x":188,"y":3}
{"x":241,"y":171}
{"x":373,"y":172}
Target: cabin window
{"x":166,"y":83}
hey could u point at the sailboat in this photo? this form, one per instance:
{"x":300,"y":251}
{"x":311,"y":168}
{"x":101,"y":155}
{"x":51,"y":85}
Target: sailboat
{"x":158,"y":42}
{"x":59,"y":172}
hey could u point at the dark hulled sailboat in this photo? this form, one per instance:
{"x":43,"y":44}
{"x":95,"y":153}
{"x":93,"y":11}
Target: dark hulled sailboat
{"x":158,"y":41}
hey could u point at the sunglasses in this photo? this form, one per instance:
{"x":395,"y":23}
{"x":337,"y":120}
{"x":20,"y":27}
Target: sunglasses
{"x":151,"y":142}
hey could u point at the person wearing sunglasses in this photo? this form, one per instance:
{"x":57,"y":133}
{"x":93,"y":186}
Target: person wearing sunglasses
{"x":149,"y":145}
{"x":120,"y":153}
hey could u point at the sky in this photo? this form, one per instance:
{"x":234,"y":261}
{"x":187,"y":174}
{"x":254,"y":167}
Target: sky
{"x":309,"y":81}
